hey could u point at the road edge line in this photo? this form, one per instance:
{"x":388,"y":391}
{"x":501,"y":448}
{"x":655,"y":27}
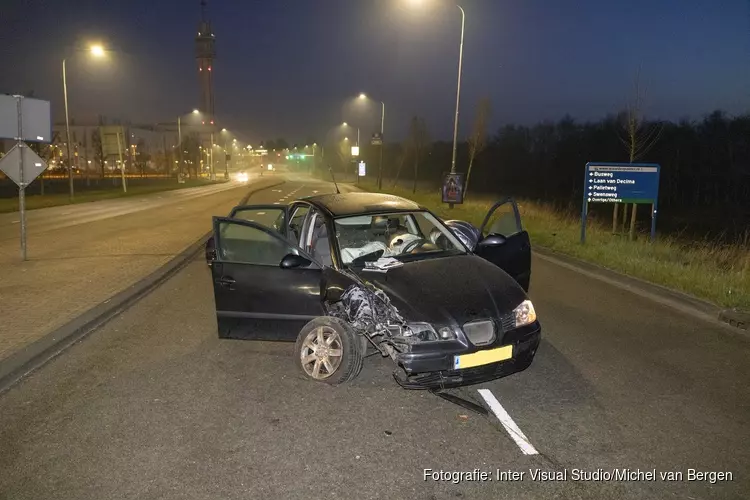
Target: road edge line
{"x":21,"y":363}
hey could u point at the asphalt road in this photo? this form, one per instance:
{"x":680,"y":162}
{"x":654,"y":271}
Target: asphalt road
{"x":81,"y":255}
{"x":153,"y":405}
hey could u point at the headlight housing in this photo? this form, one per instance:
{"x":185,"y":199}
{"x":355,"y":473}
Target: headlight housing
{"x":524,"y":314}
{"x":425,"y":331}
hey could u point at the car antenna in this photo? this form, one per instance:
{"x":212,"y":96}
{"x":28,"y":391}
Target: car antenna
{"x":334,"y":180}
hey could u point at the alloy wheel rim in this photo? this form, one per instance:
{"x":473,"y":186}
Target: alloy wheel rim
{"x":321,"y":353}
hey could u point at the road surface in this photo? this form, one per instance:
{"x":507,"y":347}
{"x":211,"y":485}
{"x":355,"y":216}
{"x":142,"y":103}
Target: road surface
{"x":80,"y":255}
{"x":153,"y":405}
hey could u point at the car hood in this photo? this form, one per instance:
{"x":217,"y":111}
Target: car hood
{"x":448,"y":290}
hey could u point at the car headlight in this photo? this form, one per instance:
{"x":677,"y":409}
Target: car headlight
{"x":524,"y":314}
{"x":425,"y":331}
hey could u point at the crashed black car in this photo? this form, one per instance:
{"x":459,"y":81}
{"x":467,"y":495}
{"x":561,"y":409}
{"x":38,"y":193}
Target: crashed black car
{"x":344,"y":274}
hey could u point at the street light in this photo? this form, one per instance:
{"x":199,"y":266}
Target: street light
{"x":179,"y":145}
{"x":347,"y":125}
{"x":458,"y":85}
{"x":96,"y":51}
{"x":363,"y":97}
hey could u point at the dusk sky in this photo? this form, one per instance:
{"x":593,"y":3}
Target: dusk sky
{"x":287,"y":68}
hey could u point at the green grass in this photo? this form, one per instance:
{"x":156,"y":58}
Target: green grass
{"x":717,"y":273}
{"x":34,"y":201}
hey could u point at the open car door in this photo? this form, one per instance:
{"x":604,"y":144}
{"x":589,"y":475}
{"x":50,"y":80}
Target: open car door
{"x":270,"y":216}
{"x":505,"y":243}
{"x":265,"y":287}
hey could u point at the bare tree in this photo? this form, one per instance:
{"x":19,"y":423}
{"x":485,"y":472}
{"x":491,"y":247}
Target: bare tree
{"x":638,"y":137}
{"x":400,"y":160}
{"x":419,"y":138}
{"x":478,"y":137}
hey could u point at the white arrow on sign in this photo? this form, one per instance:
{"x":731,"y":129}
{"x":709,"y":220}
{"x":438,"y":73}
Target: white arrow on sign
{"x":33,"y":165}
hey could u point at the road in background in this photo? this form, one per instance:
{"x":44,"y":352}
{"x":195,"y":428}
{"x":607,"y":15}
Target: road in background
{"x":81,"y":255}
{"x":154,"y":405}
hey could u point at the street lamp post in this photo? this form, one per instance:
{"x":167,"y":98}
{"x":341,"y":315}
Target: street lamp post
{"x":97,"y":51}
{"x":67,"y":131}
{"x":458,"y":88}
{"x":179,"y":146}
{"x":382,"y":126}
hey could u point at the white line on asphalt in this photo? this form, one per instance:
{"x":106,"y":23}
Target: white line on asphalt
{"x":519,"y":437}
{"x":15,"y":221}
{"x":261,"y":213}
{"x":276,"y":203}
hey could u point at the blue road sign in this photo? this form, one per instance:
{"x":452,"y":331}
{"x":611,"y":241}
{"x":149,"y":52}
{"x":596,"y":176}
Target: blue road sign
{"x":620,"y":183}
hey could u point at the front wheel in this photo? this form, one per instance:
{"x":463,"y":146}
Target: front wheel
{"x":329,"y":350}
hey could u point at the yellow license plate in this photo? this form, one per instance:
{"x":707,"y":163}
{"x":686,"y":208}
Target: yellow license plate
{"x":483,"y":357}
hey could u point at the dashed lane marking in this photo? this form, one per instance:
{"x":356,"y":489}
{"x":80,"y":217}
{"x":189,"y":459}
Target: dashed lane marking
{"x":510,"y":426}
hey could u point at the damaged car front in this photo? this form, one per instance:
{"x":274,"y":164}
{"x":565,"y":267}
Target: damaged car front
{"x":444,"y":315}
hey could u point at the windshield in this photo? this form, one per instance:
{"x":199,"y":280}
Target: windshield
{"x":403,"y":236}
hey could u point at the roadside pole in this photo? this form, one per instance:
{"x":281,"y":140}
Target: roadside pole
{"x":23,"y":120}
{"x":122,"y":164}
{"x":21,"y":184}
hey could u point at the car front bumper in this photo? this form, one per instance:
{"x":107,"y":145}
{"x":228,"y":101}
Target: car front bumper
{"x":433,"y":369}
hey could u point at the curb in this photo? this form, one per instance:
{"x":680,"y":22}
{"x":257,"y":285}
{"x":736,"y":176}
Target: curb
{"x":680,"y":301}
{"x":24,"y":361}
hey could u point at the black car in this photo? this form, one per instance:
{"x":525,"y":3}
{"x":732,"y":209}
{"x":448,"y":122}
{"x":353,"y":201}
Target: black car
{"x":344,"y":274}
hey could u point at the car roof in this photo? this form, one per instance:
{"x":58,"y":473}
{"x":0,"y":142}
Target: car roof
{"x":343,"y":204}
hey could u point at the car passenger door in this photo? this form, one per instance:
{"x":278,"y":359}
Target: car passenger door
{"x":271,"y":216}
{"x":505,"y":243}
{"x":265,"y":287}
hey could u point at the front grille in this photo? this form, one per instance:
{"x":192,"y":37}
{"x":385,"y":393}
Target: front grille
{"x":480,"y":332}
{"x":508,"y":322}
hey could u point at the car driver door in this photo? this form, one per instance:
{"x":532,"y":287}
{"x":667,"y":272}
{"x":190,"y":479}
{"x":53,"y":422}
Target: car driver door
{"x":265,"y":287}
{"x":505,"y":243}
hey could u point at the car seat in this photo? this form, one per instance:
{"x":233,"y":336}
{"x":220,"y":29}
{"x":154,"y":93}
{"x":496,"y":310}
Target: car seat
{"x":321,"y":246}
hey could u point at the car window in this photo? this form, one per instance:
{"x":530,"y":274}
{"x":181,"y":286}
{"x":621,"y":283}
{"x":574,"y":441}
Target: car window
{"x":272,"y":218}
{"x":296,"y":221}
{"x":402,"y":236}
{"x":502,"y":221}
{"x":251,"y":245}
{"x":317,"y":242}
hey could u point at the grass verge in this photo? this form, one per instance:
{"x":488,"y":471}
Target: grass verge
{"x":717,"y":273}
{"x":53,"y":200}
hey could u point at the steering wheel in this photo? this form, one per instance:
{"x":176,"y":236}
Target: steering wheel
{"x":413,"y":245}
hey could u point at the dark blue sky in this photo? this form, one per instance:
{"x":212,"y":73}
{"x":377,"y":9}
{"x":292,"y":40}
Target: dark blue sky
{"x":286,"y":67}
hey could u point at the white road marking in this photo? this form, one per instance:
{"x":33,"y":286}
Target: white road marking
{"x":261,"y":213}
{"x":519,"y":437}
{"x":276,"y":203}
{"x":315,"y":192}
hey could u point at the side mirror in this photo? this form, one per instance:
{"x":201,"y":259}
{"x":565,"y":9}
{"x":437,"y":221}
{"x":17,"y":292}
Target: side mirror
{"x":291,"y":260}
{"x":492,"y":240}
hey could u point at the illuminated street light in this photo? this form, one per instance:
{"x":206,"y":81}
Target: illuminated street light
{"x":458,"y":85}
{"x":196,"y":112}
{"x":98,"y":52}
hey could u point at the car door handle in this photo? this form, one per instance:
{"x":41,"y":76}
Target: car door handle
{"x":226,"y":281}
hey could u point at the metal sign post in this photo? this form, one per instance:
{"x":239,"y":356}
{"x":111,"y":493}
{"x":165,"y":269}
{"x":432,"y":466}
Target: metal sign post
{"x":23,"y":119}
{"x":636,"y":183}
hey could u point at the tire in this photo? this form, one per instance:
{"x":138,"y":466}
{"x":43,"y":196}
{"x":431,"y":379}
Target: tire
{"x":337,"y":336}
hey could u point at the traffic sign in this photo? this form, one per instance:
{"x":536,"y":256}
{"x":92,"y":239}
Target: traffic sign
{"x":620,"y":183}
{"x":32,"y":124}
{"x":21,"y":157}
{"x":377,"y":139}
{"x":362,"y":169}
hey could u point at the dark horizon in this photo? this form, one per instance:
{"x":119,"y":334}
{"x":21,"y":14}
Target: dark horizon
{"x":287,"y":69}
